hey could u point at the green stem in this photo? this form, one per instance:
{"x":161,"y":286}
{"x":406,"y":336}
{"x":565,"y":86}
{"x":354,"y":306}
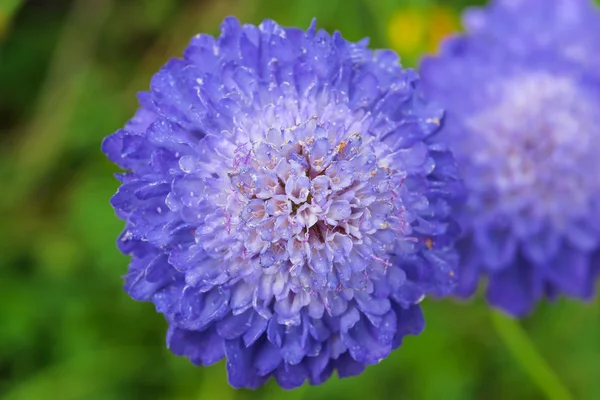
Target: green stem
{"x":523,"y":350}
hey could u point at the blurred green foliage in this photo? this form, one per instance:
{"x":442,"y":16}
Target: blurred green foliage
{"x":69,"y":71}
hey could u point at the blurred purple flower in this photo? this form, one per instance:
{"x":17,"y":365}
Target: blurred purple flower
{"x":522,"y":91}
{"x":286,"y":205}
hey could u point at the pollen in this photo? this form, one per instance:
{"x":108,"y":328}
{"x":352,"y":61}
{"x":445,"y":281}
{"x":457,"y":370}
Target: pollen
{"x":340,"y":147}
{"x":429,"y":243}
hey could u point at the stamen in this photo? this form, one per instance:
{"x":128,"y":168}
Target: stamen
{"x":381,"y":260}
{"x":228,"y":223}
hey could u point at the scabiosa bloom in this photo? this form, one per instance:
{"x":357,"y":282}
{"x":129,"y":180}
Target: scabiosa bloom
{"x":522,"y":117}
{"x":286,"y":205}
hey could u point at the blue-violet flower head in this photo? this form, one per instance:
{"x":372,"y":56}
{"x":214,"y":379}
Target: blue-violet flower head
{"x":286,"y":204}
{"x":522,"y":91}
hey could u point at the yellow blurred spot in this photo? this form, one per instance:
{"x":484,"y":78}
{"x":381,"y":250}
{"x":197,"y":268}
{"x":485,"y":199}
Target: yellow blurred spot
{"x":415,"y":30}
{"x":442,"y":22}
{"x":406,"y":30}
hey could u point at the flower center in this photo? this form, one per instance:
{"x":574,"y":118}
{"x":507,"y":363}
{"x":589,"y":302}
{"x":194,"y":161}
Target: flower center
{"x":540,"y":135}
{"x":316,"y":202}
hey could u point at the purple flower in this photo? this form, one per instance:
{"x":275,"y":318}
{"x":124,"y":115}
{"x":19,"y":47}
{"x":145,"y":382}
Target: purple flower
{"x":522,"y":92}
{"x":286,"y":205}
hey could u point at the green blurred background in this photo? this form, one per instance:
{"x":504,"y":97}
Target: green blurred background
{"x":69,"y":71}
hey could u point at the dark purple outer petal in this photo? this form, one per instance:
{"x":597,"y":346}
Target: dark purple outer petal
{"x":521,"y":89}
{"x":287,"y":203}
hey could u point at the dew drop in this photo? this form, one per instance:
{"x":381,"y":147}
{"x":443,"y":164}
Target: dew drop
{"x":187,"y":164}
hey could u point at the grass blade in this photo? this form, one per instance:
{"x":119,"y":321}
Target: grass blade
{"x":523,"y":350}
